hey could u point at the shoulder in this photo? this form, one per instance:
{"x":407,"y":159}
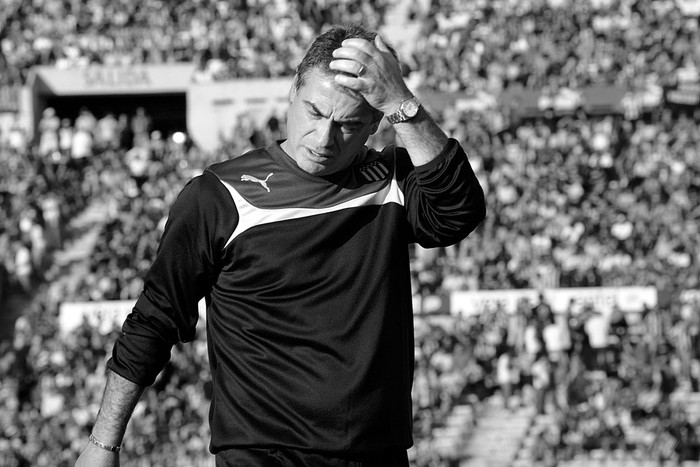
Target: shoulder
{"x":388,"y":154}
{"x":376,"y":165}
{"x":231,"y":170}
{"x":257,"y":176}
{"x":203,"y":203}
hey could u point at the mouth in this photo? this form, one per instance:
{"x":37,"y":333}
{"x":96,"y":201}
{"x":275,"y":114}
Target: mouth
{"x":321,"y":156}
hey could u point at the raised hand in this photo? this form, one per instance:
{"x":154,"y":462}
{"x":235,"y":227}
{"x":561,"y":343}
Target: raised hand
{"x":376,"y":73}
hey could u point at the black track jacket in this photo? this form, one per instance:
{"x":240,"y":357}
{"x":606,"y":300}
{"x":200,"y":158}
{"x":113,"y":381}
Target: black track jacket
{"x":307,"y":281}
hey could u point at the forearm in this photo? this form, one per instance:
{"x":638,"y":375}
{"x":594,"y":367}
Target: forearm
{"x":118,"y":402}
{"x":443,"y":198}
{"x":422,"y":137}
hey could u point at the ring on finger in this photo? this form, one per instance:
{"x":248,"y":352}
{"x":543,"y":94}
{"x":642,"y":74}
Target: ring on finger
{"x":361,"y":70}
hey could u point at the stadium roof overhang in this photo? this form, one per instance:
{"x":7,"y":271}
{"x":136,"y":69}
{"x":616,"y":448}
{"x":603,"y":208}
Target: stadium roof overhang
{"x":94,"y":80}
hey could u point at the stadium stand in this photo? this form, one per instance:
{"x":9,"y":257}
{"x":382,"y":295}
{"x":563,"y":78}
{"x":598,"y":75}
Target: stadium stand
{"x":578,"y":199}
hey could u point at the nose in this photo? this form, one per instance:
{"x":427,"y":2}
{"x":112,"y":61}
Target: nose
{"x":325,"y":133}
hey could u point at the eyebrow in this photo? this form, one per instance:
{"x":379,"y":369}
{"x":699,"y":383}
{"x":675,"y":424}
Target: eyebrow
{"x":351,"y":120}
{"x":315,"y":109}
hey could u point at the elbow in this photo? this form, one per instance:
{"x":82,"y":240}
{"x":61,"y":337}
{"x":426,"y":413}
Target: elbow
{"x":474,"y":215}
{"x":455,"y":222}
{"x":479,"y":214}
{"x":472,"y":220}
{"x":455,"y":230}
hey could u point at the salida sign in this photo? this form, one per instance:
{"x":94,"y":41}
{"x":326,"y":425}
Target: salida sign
{"x":129,"y":79}
{"x":116,"y":77}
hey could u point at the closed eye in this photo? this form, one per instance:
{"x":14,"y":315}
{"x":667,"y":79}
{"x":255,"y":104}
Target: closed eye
{"x":351,"y":127}
{"x":313,"y":111}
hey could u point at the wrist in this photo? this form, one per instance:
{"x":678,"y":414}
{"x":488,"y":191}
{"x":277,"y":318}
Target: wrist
{"x":406,"y":110}
{"x":394,"y":104}
{"x":115,"y":448}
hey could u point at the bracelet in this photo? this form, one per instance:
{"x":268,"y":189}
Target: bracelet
{"x":102,"y":445}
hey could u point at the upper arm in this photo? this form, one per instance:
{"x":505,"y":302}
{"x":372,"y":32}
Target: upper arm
{"x":189,"y":253}
{"x":184,"y":270}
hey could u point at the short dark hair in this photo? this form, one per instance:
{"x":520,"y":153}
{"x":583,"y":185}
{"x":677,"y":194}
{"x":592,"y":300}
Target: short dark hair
{"x":320,"y":53}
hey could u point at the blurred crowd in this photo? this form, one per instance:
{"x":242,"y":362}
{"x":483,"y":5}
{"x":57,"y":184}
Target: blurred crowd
{"x":52,"y":383}
{"x":610,"y":390}
{"x":585,"y":201}
{"x":38,"y":195}
{"x":573,"y":201}
{"x":554,"y":43}
{"x":243,"y":38}
{"x":480,"y":45}
{"x":576,"y":201}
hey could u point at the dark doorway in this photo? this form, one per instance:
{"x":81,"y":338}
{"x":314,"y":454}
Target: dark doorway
{"x":168,"y":112}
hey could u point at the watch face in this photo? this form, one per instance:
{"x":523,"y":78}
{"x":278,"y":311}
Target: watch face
{"x":410,"y":108}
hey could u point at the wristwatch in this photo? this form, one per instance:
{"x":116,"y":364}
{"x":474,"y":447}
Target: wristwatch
{"x":407,"y":110}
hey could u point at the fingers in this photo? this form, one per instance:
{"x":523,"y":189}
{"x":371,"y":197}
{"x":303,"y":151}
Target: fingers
{"x":355,"y":56}
{"x":361,"y":45}
{"x":350,"y":82}
{"x":350,"y":59}
{"x":368,"y":47}
{"x":351,"y":67}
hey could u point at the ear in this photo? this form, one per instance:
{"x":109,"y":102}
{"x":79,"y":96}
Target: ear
{"x":374,"y":126}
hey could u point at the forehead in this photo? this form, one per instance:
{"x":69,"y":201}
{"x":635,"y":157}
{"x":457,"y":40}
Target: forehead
{"x":321,"y":91}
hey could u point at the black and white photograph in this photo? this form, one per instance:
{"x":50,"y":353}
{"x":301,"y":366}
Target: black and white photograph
{"x":350,"y":233}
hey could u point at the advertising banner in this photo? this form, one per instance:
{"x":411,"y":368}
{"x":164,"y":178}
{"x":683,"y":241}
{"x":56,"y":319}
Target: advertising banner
{"x":684,"y":94}
{"x":480,"y":301}
{"x":105,"y":316}
{"x":535,"y":102}
{"x":689,"y":7}
{"x":602,"y":299}
{"x":103,"y":80}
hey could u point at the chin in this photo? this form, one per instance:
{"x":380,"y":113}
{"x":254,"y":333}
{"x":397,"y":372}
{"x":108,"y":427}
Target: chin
{"x":313,"y":168}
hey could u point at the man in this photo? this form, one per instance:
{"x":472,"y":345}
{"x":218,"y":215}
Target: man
{"x":301,"y":250}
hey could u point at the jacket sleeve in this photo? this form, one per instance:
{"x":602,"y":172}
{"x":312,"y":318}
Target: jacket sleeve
{"x":443,"y":199}
{"x":184,"y":270}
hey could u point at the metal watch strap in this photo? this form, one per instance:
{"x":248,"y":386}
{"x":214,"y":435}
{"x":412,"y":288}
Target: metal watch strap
{"x":396,"y":117}
{"x":400,"y":115}
{"x":102,"y":445}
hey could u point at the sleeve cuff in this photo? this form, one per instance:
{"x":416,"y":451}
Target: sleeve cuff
{"x":448,"y":151}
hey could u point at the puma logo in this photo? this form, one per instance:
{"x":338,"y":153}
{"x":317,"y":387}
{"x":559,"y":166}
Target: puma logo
{"x":263,"y":183}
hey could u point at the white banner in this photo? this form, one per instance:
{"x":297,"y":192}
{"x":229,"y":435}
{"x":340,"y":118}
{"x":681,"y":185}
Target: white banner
{"x":476,"y":302}
{"x":105,"y":316}
{"x":628,"y":299}
{"x":689,"y":7}
{"x":129,"y":79}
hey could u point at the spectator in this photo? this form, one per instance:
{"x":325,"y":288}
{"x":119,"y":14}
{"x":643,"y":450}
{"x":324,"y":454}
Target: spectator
{"x":140,"y":125}
{"x":81,"y":145}
{"x":107,"y":132}
{"x":48,"y":133}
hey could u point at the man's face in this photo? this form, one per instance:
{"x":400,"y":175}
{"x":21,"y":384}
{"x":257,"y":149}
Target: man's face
{"x":326,"y":127}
